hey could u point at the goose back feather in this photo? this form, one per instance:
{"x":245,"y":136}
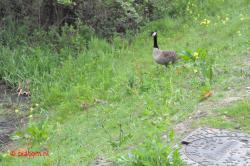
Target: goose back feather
{"x":164,"y":57}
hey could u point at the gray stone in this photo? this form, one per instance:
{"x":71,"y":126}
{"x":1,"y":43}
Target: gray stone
{"x":215,"y":147}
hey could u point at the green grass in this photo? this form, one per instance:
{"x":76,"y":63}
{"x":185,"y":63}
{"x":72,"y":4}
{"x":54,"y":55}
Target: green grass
{"x":235,"y":116}
{"x":144,"y":100}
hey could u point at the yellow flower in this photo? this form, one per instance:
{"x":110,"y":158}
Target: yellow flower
{"x":195,"y":71}
{"x":205,"y":22}
{"x":31,"y":116}
{"x":37,"y":104}
{"x":224,"y":21}
{"x":16,"y":110}
{"x":196,"y":55}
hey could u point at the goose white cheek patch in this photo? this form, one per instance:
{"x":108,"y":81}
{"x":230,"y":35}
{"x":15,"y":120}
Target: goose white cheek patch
{"x":154,"y":34}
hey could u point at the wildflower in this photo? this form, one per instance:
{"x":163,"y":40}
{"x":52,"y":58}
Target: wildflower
{"x":31,"y":116}
{"x":196,"y":55}
{"x":224,"y":21}
{"x":31,"y":109}
{"x":205,"y":22}
{"x":36,"y":105}
{"x":16,"y":110}
{"x":195,"y":71}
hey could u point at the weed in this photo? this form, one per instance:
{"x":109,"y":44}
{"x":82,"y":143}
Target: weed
{"x":154,"y":152}
{"x":35,"y":133}
{"x":201,"y":63}
{"x":123,"y":138}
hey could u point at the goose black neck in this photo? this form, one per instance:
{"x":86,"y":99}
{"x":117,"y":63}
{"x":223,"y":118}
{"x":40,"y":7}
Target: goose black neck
{"x":155,"y":42}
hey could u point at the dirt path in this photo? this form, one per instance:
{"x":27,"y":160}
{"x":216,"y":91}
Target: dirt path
{"x":229,"y":97}
{"x":9,"y":120}
{"x":207,"y":107}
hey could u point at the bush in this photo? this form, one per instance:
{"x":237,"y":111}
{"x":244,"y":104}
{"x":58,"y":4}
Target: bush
{"x":105,"y":17}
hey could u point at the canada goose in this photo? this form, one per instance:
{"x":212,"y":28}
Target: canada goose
{"x":161,"y":56}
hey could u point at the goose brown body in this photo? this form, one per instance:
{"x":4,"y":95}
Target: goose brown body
{"x":162,"y":57}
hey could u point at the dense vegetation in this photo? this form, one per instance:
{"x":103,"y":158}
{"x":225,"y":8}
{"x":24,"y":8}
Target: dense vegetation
{"x":93,"y":98}
{"x":104,"y":17}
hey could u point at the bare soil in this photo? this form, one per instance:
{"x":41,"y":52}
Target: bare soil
{"x":9,"y":120}
{"x":101,"y":161}
{"x":207,"y":107}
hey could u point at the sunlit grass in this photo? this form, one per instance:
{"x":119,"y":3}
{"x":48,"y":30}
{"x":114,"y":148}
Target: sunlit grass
{"x":234,"y":117}
{"x":141,"y":98}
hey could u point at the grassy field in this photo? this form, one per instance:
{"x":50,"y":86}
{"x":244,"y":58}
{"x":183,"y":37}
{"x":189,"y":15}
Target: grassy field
{"x":113,"y":101}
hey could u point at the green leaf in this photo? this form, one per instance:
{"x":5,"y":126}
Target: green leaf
{"x":186,"y":55}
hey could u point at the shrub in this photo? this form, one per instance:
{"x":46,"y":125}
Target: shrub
{"x":105,"y":17}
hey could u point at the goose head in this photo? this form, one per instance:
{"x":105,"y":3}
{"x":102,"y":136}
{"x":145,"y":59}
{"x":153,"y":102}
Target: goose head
{"x":154,"y":34}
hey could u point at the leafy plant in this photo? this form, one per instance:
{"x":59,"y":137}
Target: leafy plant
{"x":38,"y":133}
{"x":65,"y":2}
{"x":155,"y":152}
{"x":123,"y":138}
{"x":187,"y":55}
{"x":201,"y":61}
